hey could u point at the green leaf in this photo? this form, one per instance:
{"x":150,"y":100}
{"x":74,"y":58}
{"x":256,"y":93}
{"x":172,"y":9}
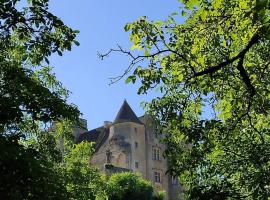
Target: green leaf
{"x":127,"y":27}
{"x":46,"y":60}
{"x":184,"y":13}
{"x":59,"y":53}
{"x":76,"y":42}
{"x":146,"y":53}
{"x":204,"y":15}
{"x":130,"y":79}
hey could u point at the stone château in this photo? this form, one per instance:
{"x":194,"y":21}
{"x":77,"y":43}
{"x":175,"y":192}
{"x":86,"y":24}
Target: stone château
{"x":133,"y":144}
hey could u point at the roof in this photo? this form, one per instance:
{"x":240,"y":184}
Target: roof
{"x":98,"y":135}
{"x":126,"y":114}
{"x":101,"y":134}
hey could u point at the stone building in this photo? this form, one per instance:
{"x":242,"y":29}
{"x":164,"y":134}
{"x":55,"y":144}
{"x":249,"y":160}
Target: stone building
{"x":132,"y":144}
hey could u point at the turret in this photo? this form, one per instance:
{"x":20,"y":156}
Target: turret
{"x":127,"y":136}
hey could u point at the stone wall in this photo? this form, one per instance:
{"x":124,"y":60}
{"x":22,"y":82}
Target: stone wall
{"x":153,"y":137}
{"x":132,"y":145}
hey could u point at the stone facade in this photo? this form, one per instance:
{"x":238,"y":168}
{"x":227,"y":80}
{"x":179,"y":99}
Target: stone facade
{"x":133,"y":144}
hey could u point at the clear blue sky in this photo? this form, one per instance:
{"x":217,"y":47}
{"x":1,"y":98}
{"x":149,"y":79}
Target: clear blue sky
{"x":101,"y":24}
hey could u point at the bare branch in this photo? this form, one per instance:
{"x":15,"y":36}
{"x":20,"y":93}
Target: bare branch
{"x":135,"y":59}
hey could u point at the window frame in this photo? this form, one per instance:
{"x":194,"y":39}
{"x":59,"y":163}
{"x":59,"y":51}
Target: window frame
{"x":137,"y":165}
{"x":156,"y":153}
{"x":136,"y":145}
{"x":157,"y":177}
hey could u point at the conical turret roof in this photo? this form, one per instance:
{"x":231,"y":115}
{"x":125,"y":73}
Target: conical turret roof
{"x":126,"y":114}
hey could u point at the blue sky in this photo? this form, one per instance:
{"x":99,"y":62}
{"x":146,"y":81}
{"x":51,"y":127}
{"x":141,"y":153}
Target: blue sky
{"x":101,"y":24}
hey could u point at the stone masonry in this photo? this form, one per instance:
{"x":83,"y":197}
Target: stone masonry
{"x":132,"y":144}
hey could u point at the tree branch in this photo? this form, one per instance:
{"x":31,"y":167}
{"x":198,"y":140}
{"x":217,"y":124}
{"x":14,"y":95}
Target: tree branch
{"x":213,"y":69}
{"x":245,"y":77}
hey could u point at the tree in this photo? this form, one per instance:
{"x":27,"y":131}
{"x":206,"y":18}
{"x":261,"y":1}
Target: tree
{"x":127,"y":185}
{"x":83,"y":182}
{"x":29,"y":34}
{"x":30,"y":98}
{"x":27,"y":174}
{"x":49,"y":166}
{"x":219,"y":58}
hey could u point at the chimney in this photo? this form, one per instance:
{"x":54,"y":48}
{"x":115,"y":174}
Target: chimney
{"x":107,"y":124}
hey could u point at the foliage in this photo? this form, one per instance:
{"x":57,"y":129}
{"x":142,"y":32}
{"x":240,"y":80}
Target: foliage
{"x":218,"y":58}
{"x":127,"y":185}
{"x":82,"y":181}
{"x":38,"y":172}
{"x":29,"y":34}
{"x":159,"y":195}
{"x":72,"y":162}
{"x":47,"y":145}
{"x":30,"y":98}
{"x":27,"y":174}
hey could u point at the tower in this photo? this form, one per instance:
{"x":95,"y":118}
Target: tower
{"x":127,"y":141}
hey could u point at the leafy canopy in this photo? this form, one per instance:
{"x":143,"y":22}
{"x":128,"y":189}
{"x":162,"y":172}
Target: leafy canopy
{"x":218,"y":58}
{"x":30,"y":97}
{"x":127,"y":185}
{"x":29,"y":34}
{"x":43,"y":164}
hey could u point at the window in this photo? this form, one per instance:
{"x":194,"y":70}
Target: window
{"x":157,"y":177}
{"x":137,"y":164}
{"x":156,"y":154}
{"x":156,"y":135}
{"x":108,"y":156}
{"x":136,"y":144}
{"x":135,"y":129}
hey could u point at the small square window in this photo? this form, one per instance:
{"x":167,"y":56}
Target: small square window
{"x":136,"y":144}
{"x":137,"y":164}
